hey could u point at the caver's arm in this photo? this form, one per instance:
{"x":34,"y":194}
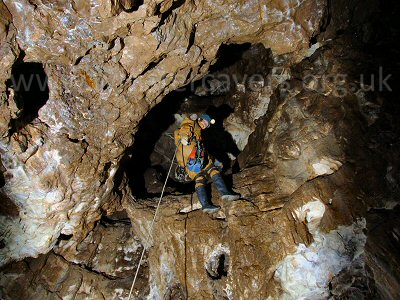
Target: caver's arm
{"x":185,"y":133}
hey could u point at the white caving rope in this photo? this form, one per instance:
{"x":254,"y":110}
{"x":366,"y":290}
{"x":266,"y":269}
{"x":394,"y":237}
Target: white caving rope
{"x":152,"y":223}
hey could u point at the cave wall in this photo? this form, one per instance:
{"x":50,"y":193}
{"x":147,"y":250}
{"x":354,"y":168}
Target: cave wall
{"x":106,"y":68}
{"x":317,"y":172}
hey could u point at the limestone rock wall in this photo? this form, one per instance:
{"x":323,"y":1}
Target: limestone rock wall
{"x":107,"y":65}
{"x":95,"y":273}
{"x":317,"y":171}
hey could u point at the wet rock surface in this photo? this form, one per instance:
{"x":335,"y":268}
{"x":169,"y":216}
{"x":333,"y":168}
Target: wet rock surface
{"x":317,"y":152}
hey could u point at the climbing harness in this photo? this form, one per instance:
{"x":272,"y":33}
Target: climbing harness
{"x":196,"y":158}
{"x":180,"y":174}
{"x":151,"y":225}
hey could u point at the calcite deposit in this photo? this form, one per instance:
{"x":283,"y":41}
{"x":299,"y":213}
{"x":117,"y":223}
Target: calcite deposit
{"x":90,"y":95}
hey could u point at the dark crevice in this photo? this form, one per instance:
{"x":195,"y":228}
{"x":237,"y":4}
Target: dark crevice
{"x":151,"y":65}
{"x":313,"y":40}
{"x":63,"y":237}
{"x":2,"y":244}
{"x":168,"y":12}
{"x":119,"y":177}
{"x":105,"y":174}
{"x":191,"y":38}
{"x":84,"y":145}
{"x":119,"y":217}
{"x":118,"y":6}
{"x":112,"y":43}
{"x":107,"y":221}
{"x":2,"y":171}
{"x":133,"y":5}
{"x":7,"y":28}
{"x":33,"y":4}
{"x":91,"y":270}
{"x":78,"y":60}
{"x":202,"y":63}
{"x":75,"y":141}
{"x":189,"y":75}
{"x":228,"y":55}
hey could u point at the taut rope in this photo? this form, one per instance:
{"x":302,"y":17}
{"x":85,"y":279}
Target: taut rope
{"x":152,"y":223}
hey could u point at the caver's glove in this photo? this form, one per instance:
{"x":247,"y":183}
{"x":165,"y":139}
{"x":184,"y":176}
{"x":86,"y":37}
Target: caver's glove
{"x":185,"y":140}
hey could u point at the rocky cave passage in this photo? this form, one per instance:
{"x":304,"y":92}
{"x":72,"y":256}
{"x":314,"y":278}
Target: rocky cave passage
{"x":306,"y":103}
{"x":148,"y":160}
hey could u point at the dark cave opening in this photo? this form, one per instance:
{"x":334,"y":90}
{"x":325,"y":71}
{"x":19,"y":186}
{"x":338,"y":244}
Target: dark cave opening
{"x":29,"y":83}
{"x":149,"y":158}
{"x":139,"y":168}
{"x":217,"y":267}
{"x":154,"y":144}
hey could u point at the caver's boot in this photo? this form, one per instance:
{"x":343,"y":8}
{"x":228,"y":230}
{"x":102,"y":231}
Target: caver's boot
{"x":207,"y":206}
{"x":223,"y":190}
